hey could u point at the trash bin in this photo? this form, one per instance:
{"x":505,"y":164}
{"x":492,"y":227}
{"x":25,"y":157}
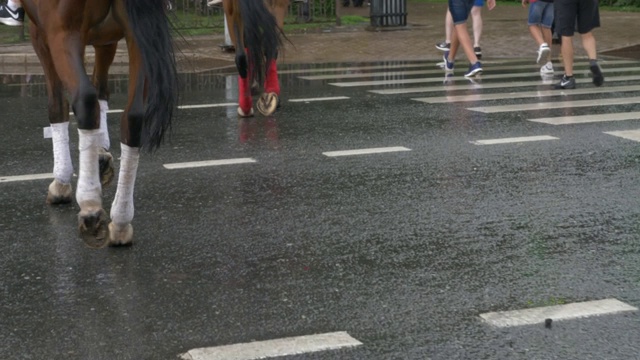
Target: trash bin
{"x":388,"y":13}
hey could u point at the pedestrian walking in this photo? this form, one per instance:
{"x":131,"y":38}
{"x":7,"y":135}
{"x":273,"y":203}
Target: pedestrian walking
{"x":540,"y":21}
{"x":460,"y":10}
{"x":476,"y":21}
{"x":585,"y":14}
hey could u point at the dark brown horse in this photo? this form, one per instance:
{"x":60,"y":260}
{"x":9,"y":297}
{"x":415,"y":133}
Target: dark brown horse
{"x":255,"y":28}
{"x":60,"y":31}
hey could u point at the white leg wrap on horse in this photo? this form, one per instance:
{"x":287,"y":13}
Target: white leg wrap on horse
{"x":89,"y":187}
{"x":104,"y":130}
{"x":122,"y":207}
{"x":62,"y":165}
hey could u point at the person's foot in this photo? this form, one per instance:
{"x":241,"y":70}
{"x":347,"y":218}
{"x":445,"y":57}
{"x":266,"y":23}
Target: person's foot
{"x":547,"y":68}
{"x":11,"y":17}
{"x":543,"y":52}
{"x":567,"y":82}
{"x":448,"y":65}
{"x":596,"y":73}
{"x":474,"y":69}
{"x":443,"y":46}
{"x":478,"y":52}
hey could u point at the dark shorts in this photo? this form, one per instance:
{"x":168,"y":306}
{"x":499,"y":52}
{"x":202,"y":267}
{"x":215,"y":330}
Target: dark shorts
{"x":460,"y":10}
{"x":570,"y":14}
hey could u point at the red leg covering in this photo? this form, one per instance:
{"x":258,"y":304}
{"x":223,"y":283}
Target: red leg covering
{"x":244,"y":95}
{"x":272,"y":85}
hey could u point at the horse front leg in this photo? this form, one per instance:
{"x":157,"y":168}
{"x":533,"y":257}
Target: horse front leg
{"x":67,"y":53}
{"x":60,"y":190}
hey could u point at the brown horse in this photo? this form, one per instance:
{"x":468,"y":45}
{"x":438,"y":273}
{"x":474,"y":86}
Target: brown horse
{"x":60,"y":31}
{"x":255,"y":28}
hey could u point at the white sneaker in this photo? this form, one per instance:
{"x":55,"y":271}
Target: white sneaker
{"x":543,"y":52}
{"x":212,"y":3}
{"x":547,"y":68}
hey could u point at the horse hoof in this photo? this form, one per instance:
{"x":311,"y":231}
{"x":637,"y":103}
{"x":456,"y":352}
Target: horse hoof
{"x":244,"y":114}
{"x":120,"y":235}
{"x":267,"y":104}
{"x":106,"y":167}
{"x":59,"y":193}
{"x":93,"y":228}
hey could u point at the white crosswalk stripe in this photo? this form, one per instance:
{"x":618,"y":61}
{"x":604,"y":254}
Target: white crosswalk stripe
{"x":619,"y":89}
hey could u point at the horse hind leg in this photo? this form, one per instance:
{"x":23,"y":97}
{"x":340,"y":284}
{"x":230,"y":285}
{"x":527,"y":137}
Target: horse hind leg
{"x":269,"y":101}
{"x":245,"y":100}
{"x":103,"y":60}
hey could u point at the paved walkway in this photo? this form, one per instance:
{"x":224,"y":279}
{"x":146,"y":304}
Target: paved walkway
{"x":505,"y":35}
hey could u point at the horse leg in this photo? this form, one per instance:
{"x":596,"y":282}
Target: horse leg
{"x":245,"y":101}
{"x":67,"y":50}
{"x":60,"y":190}
{"x":269,"y":102}
{"x":104,"y":58}
{"x":122,"y":208}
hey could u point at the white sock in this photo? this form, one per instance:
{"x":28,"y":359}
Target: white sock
{"x":62,"y":166}
{"x":14,"y":4}
{"x":104,"y":131}
{"x":122,"y":207}
{"x":89,"y":187}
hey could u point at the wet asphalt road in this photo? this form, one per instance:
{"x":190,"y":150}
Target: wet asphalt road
{"x":402,"y":250}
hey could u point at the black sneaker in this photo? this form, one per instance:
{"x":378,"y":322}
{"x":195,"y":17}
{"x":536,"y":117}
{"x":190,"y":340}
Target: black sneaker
{"x":11,"y":17}
{"x":443,"y":46}
{"x":596,"y":73}
{"x":478,"y":52}
{"x":567,"y":82}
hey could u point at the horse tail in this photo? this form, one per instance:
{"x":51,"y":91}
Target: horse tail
{"x":151,"y":30}
{"x":262,"y":36}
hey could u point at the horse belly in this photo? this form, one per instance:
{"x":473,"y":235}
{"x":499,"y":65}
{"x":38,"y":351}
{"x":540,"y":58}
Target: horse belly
{"x":106,"y":32}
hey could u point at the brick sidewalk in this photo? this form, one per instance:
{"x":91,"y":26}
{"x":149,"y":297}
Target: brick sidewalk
{"x":505,"y":35}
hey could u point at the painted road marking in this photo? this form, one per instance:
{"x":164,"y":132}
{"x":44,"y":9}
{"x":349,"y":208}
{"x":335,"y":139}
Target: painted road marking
{"x":556,"y":312}
{"x":4,"y":179}
{"x":365,"y":151}
{"x":431,"y":79}
{"x":439,"y":88}
{"x":626,"y":134}
{"x":274,"y":348}
{"x":583,"y":119}
{"x":423,"y":64}
{"x":426,"y":72}
{"x":320,"y":99}
{"x":203,"y":106}
{"x":195,"y":164}
{"x":197,"y":106}
{"x":526,"y":94}
{"x":556,"y":105}
{"x":355,"y":68}
{"x":513,"y":140}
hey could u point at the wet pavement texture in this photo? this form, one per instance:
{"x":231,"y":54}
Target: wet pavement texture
{"x":401,"y":250}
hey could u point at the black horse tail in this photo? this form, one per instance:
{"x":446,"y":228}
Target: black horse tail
{"x":152,"y":33}
{"x":262,"y":37}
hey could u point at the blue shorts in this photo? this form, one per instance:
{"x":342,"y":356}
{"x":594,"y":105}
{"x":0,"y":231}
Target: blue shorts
{"x":479,"y":3}
{"x":460,"y":10}
{"x":541,"y":13}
